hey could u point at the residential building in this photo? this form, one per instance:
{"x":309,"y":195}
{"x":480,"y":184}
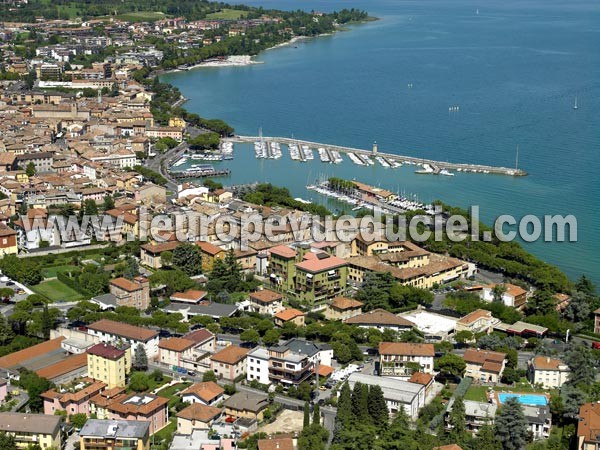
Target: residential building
{"x":142,"y":407}
{"x":134,"y":293}
{"x":191,"y":297}
{"x":477,"y":414}
{"x":397,"y":393}
{"x":246,"y":405}
{"x":72,"y":399}
{"x":597,"y":321}
{"x":551,"y":373}
{"x":320,"y":277}
{"x":196,"y":417}
{"x":8,"y":241}
{"x":206,"y":393}
{"x":230,"y":362}
{"x":210,"y":253}
{"x":401,"y":359}
{"x":282,"y":260}
{"x":511,"y":294}
{"x":109,"y":364}
{"x":114,"y":435}
{"x":484,"y":365}
{"x":266,"y":302}
{"x":277,"y":443}
{"x":278,"y":364}
{"x":539,"y":420}
{"x":190,"y":352}
{"x":150,"y":253}
{"x":478,"y":321}
{"x":342,"y":308}
{"x":28,"y":429}
{"x":292,"y":315}
{"x":3,"y":390}
{"x":425,"y":379}
{"x":110,"y":331}
{"x":588,"y":436}
{"x":435,"y":327}
{"x":381,"y":319}
{"x":42,"y":161}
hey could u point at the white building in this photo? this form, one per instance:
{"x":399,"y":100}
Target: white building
{"x":109,"y":331}
{"x":258,"y":365}
{"x":512,"y":295}
{"x":435,"y":327}
{"x":397,"y":393}
{"x":551,"y":373}
{"x":397,"y":358}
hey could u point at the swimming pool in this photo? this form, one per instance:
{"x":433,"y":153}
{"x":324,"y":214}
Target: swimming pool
{"x":525,"y":399}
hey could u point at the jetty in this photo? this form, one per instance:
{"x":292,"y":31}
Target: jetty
{"x":393,"y":159}
{"x":199,"y":173}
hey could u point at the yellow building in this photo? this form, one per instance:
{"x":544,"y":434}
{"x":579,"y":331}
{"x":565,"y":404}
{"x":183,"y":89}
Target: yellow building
{"x":177,"y":122}
{"x":28,"y":429}
{"x":115,"y":435}
{"x":109,"y":364}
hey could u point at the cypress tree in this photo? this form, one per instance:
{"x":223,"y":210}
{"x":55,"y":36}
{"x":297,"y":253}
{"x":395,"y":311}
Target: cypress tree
{"x":457,"y":418}
{"x":377,"y":407}
{"x":511,"y":426}
{"x":316,"y":415}
{"x":306,"y":423}
{"x":360,"y":402}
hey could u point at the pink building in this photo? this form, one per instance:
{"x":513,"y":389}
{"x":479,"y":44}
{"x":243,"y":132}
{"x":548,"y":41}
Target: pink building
{"x":142,"y":407}
{"x":72,"y":400}
{"x":3,"y":389}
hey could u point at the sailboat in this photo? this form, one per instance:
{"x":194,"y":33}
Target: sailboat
{"x":477,"y":12}
{"x":575,"y":105}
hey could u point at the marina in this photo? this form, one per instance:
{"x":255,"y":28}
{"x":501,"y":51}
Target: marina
{"x":301,"y":150}
{"x":199,"y":171}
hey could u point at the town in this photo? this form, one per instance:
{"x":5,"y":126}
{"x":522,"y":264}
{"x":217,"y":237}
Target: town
{"x":130,"y":336}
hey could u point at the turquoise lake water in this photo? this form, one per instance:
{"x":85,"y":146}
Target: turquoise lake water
{"x":514,"y":70}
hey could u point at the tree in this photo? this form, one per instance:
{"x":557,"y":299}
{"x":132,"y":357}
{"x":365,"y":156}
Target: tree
{"x":457,"y":419}
{"x":139,"y":382}
{"x":360,"y":402}
{"x":140,"y":359}
{"x":316,"y":418}
{"x":271,"y":337}
{"x":498,"y":292}
{"x":209,"y":375}
{"x":90,"y":208}
{"x":35,"y":386}
{"x":250,"y":336}
{"x":187,"y":257}
{"x":7,"y":441}
{"x":580,"y":360}
{"x":166,"y":258}
{"x":511,"y":425}
{"x":453,"y":365}
{"x":464,"y":336}
{"x":30,"y":169}
{"x":377,"y":406}
{"x":108,"y":203}
{"x":306,"y":422}
{"x":510,"y":375}
{"x":486,"y":439}
{"x":78,"y":420}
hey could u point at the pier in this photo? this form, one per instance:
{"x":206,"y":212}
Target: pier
{"x":364,"y":155}
{"x":199,"y":173}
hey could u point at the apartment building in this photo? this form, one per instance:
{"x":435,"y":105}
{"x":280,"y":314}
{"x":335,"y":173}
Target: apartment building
{"x":72,"y":399}
{"x":478,"y":321}
{"x":266,"y":302}
{"x":114,"y":435}
{"x":189,"y":352}
{"x":109,"y":331}
{"x":320,"y":277}
{"x":229,"y":363}
{"x":29,"y":429}
{"x":484,"y":365}
{"x":109,"y":364}
{"x":551,"y":373}
{"x":342,"y":308}
{"x":206,"y":393}
{"x":278,"y":364}
{"x":134,"y":293}
{"x":401,"y":359}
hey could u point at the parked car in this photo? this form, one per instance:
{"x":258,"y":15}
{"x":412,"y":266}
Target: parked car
{"x":596,"y":345}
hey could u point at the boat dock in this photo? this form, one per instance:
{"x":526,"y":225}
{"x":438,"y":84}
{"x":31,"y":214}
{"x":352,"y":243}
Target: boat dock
{"x":363,"y":157}
{"x":199,"y":173}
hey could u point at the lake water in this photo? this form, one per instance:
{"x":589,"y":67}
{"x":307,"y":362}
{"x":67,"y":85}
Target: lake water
{"x":514,"y":69}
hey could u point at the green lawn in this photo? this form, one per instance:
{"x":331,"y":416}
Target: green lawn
{"x":171,"y":391}
{"x":50,"y":272}
{"x":226,"y":14}
{"x":140,"y":16}
{"x":476,"y":393}
{"x":165,"y":434}
{"x":57,"y":291}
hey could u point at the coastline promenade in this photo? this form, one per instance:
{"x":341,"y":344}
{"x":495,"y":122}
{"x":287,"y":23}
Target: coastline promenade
{"x":436,"y":165}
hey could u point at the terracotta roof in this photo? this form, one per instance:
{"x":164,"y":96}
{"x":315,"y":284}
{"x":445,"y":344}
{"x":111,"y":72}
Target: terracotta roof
{"x":266,"y":296}
{"x":90,"y":390}
{"x":284,"y":251}
{"x":106,"y":351}
{"x":67,"y":365}
{"x":288,"y":314}
{"x":207,"y":247}
{"x":344,"y":303}
{"x":474,"y":316}
{"x":123,"y":330}
{"x":421,"y":378}
{"x":199,"y":336}
{"x":321,"y":264}
{"x":406,"y":348}
{"x":206,"y":391}
{"x":488,"y":360}
{"x":125,"y":406}
{"x":6,"y":231}
{"x":588,"y":426}
{"x":231,"y":354}
{"x":176,"y":344}
{"x":126,"y":284}
{"x":160,"y":247}
{"x":379,"y":317}
{"x":276,"y":444}
{"x":193,"y":295}
{"x":546,"y":363}
{"x":198,"y":411}
{"x":14,"y":359}
{"x":324,"y":371}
